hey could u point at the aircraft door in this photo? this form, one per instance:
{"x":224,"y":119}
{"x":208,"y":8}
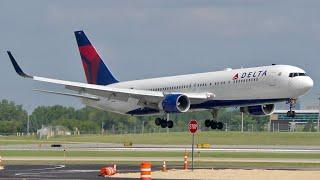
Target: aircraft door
{"x":273,"y":79}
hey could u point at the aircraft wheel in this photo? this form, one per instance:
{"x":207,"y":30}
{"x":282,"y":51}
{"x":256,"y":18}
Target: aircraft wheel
{"x":170,"y":124}
{"x":291,"y":114}
{"x":207,"y":122}
{"x":213,"y":124}
{"x":157,"y":121}
{"x":219,"y":125}
{"x":163,"y":123}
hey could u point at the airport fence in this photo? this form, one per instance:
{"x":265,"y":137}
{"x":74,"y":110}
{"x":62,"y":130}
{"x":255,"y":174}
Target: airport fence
{"x":114,"y":130}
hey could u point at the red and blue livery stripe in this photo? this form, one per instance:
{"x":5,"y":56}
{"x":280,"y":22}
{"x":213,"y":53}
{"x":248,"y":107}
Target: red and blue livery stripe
{"x":96,"y":71}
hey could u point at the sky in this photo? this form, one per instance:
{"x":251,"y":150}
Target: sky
{"x":144,"y":39}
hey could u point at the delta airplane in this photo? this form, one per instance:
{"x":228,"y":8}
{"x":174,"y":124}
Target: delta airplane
{"x":254,"y":90}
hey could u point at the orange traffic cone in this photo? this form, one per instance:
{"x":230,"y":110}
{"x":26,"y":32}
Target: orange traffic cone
{"x":108,"y":171}
{"x":145,"y":170}
{"x":164,"y":166}
{"x":185,"y":164}
{"x":1,"y":165}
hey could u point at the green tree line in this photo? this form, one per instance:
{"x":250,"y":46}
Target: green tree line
{"x":13,"y":118}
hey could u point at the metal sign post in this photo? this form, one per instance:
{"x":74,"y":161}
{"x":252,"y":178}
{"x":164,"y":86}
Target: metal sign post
{"x":193,"y":127}
{"x":192,"y":150}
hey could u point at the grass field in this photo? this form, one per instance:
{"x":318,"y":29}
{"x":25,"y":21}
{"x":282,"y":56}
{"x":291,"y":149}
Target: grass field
{"x":45,"y":153}
{"x":211,"y":137}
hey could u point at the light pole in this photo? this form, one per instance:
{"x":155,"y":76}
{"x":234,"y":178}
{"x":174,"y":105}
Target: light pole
{"x":28,"y":124}
{"x":241,"y":121}
{"x":168,"y":118}
{"x":28,"y":119}
{"x":142,"y":128}
{"x":318,"y":123}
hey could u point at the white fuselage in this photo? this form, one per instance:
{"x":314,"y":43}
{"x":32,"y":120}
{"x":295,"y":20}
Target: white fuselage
{"x":237,"y":87}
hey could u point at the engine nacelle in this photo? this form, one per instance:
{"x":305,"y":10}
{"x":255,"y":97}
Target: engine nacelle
{"x":259,"y":110}
{"x":175,"y":103}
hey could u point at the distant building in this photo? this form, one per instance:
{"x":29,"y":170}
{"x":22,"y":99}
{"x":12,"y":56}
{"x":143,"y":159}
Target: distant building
{"x":50,"y":131}
{"x":280,"y":122}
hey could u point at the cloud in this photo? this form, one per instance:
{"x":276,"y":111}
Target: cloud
{"x":226,"y":21}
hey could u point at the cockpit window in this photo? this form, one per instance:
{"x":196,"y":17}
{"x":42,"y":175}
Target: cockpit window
{"x":297,"y":74}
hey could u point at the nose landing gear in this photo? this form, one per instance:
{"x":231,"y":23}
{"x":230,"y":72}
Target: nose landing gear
{"x":291,"y":113}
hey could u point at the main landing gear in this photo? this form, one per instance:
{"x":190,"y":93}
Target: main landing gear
{"x":164,"y":123}
{"x":291,"y":113}
{"x":214,"y":124}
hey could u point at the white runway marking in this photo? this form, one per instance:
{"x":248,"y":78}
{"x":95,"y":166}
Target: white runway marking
{"x":40,"y":169}
{"x":160,"y":159}
{"x":52,"y":174}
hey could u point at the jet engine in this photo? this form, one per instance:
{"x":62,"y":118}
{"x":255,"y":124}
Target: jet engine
{"x":259,"y":110}
{"x":175,"y":103}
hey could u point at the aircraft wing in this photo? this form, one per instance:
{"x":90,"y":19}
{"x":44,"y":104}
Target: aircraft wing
{"x":145,"y":97}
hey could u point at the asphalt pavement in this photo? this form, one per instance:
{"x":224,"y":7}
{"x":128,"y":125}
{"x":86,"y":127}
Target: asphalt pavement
{"x":74,"y":171}
{"x":90,"y":171}
{"x":167,"y":148}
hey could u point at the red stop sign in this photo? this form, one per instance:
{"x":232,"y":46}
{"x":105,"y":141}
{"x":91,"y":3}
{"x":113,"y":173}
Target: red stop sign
{"x":193,"y":126}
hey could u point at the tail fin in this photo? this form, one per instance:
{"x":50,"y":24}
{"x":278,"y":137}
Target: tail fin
{"x":96,"y":71}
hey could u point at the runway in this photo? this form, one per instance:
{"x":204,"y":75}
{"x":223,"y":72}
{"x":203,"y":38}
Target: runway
{"x":164,"y":148}
{"x":160,"y":159}
{"x":74,"y":171}
{"x":91,"y":171}
{"x":51,"y":172}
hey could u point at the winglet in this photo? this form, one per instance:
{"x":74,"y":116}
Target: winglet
{"x":17,"y":67}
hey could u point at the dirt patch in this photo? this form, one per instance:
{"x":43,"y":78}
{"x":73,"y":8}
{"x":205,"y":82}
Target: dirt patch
{"x":227,"y":174}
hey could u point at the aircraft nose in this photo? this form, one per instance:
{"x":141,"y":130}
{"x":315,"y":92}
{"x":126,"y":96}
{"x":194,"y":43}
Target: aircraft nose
{"x":307,"y":84}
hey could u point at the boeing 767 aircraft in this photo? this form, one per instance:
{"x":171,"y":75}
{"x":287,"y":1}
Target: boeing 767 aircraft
{"x":255,"y":90}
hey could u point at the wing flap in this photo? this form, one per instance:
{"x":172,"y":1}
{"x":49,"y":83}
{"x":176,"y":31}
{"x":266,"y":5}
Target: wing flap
{"x":95,"y":98}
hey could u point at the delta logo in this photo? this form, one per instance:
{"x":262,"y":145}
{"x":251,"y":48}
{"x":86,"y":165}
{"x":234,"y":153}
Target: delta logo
{"x":235,"y":77}
{"x":252,"y":74}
